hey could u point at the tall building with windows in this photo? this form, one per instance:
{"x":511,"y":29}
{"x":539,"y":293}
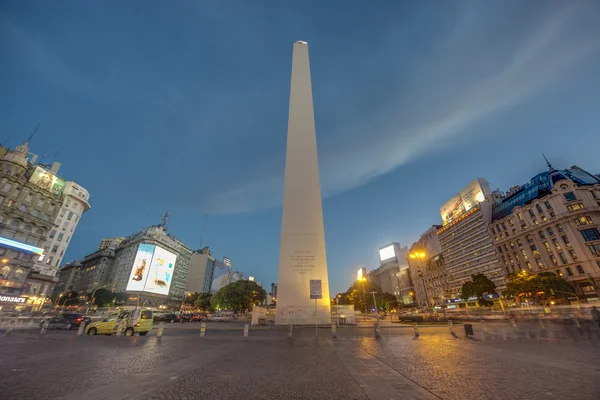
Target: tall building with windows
{"x":466,"y":244}
{"x":202,"y":269}
{"x":428,"y":273}
{"x":30,"y":198}
{"x":75,"y":203}
{"x":551,"y":224}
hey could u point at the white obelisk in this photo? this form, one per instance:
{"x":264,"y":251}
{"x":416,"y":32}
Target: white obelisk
{"x":302,"y":255}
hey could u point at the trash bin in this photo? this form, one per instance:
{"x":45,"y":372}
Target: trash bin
{"x":468,"y":330}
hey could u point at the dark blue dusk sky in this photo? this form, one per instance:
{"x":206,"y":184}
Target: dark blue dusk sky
{"x":182,"y":106}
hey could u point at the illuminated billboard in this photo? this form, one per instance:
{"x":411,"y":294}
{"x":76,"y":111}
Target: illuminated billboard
{"x":47,"y":180}
{"x":387,"y":252}
{"x":469,"y":197}
{"x":21,"y":246}
{"x":152,"y":270}
{"x":361,"y":273}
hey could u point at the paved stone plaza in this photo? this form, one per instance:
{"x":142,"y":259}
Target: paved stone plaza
{"x":226,"y":366}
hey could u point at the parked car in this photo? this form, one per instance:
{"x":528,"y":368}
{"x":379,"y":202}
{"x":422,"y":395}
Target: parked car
{"x":127,"y":320}
{"x":66,"y":321}
{"x":170,"y":318}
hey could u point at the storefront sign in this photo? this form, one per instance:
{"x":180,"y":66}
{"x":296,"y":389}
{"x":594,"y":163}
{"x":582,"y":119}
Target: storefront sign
{"x":12,"y":299}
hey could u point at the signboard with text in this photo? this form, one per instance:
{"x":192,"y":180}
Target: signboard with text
{"x":315,"y":289}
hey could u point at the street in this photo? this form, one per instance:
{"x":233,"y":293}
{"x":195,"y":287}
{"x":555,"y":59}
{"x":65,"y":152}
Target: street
{"x":269,"y":365}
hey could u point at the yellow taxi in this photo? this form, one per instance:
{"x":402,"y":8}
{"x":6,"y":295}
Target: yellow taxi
{"x":130,"y":322}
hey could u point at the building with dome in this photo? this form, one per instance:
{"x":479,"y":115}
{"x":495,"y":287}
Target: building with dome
{"x":551,"y":224}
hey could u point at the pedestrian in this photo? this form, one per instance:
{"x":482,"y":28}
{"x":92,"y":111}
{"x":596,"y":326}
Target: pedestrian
{"x":596,"y":315}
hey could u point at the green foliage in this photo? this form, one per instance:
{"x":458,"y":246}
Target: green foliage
{"x":121,"y":298}
{"x":539,"y":287}
{"x":69,"y":299}
{"x":478,"y":287}
{"x":361,"y":298}
{"x":202,"y":301}
{"x":103,"y":297}
{"x":238,"y":296}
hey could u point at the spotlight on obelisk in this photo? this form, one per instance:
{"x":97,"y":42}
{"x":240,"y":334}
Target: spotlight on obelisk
{"x":303,"y":284}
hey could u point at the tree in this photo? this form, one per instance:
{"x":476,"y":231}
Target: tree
{"x":121,"y":298}
{"x":360,"y":296}
{"x":480,"y":286}
{"x":103,"y":297}
{"x":203,"y":301}
{"x":69,"y":298}
{"x":539,"y":288}
{"x":386,"y":301}
{"x":238,"y":296}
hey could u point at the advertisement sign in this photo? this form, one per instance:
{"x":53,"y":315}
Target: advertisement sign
{"x":47,"y":180}
{"x":385,"y":253}
{"x":141,"y":268}
{"x":12,"y":299}
{"x":362,"y":272}
{"x":469,"y":197}
{"x":227,"y":262}
{"x":315,"y":289}
{"x":21,"y":246}
{"x":152,"y":270}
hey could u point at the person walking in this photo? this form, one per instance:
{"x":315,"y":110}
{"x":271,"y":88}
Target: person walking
{"x":596,"y":315}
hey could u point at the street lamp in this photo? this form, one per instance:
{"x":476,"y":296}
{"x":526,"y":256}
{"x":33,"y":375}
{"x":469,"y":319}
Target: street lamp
{"x":419,"y":256}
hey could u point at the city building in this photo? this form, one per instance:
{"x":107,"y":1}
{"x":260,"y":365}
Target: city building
{"x":551,"y":224}
{"x":392,"y":259}
{"x":273,"y":293}
{"x":75,"y":203}
{"x":202,"y":269}
{"x":427,"y":269}
{"x":30,"y":198}
{"x":151,"y":263}
{"x":110,"y":242}
{"x":465,"y":241}
{"x":67,"y":276}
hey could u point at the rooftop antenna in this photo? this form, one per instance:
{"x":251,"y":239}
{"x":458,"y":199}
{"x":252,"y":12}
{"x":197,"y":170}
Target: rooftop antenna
{"x":548,"y":163}
{"x":33,"y":133}
{"x":203,"y":229}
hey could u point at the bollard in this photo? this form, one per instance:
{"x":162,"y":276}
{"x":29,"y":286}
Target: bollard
{"x":468,"y":330}
{"x":542,"y":324}
{"x":451,"y":326}
{"x":159,"y":332}
{"x":333,"y":330}
{"x":246,"y":330}
{"x":44,"y":327}
{"x":513,"y":323}
{"x":377,"y":331}
{"x":81,"y":329}
{"x":203,"y":329}
{"x":577,"y":323}
{"x":290,"y":331}
{"x":416,"y":330}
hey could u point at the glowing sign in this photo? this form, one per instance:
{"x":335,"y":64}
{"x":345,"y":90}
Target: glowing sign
{"x":387,"y":252}
{"x":12,"y":299}
{"x":475,"y":193}
{"x":21,"y":246}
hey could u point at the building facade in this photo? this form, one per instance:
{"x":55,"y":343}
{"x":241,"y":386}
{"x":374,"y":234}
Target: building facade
{"x":428,"y":273}
{"x":465,"y":241}
{"x":551,"y":224}
{"x":68,"y":276}
{"x":75,"y":203}
{"x":202,"y":269}
{"x":28,"y":208}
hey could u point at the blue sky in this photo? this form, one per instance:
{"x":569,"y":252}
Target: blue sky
{"x":160,"y":106}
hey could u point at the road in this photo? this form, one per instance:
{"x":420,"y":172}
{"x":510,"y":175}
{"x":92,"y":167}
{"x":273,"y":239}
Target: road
{"x":269,"y":365}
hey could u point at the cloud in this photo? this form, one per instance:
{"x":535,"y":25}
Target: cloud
{"x":471,"y":76}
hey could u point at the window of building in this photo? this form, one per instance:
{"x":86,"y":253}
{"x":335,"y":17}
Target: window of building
{"x":566,"y":240}
{"x":7,"y":187}
{"x":528,"y":265}
{"x":559,"y":272}
{"x":539,"y":208}
{"x":552,"y":215}
{"x":531,"y":213}
{"x":539,"y":263}
{"x":70,"y":215}
{"x":519,"y":243}
{"x":575,"y":206}
{"x":547,"y":246}
{"x":542,"y":236}
{"x":548,"y":206}
{"x":590,"y":234}
{"x":570,"y":196}
{"x":15,"y":223}
{"x":39,"y":231}
{"x":550,"y":231}
{"x":512,"y":245}
{"x":500,"y":249}
{"x":584,"y":220}
{"x":19,"y":274}
{"x":52,"y":233}
{"x":503,"y":226}
{"x":534,"y":250}
{"x":580,"y":270}
{"x":62,"y":213}
{"x":67,"y":240}
{"x":520,"y":215}
{"x":28,"y":197}
{"x":40,"y":203}
{"x":556,"y":244}
{"x":524,"y":254}
{"x":595,"y":249}
{"x":46,"y":217}
{"x":510,"y":222}
{"x":505,"y":247}
{"x":569,"y":271}
{"x":563,"y":259}
{"x":60,"y":237}
{"x":24,"y":207}
{"x":544,"y":219}
{"x":35,"y":213}
{"x":535,"y":222}
{"x":4,"y":272}
{"x":49,"y":259}
{"x":493,"y":231}
{"x":529,"y":239}
{"x":560,"y":228}
{"x":554,"y":261}
{"x":28,"y":228}
{"x":65,"y":225}
{"x":573,"y":254}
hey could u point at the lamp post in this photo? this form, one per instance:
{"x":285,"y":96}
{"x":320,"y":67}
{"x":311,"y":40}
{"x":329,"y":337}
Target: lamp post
{"x":375,"y":303}
{"x":420,"y":256}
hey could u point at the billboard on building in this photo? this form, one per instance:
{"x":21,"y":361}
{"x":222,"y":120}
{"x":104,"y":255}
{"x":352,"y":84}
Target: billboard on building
{"x":152,"y":270}
{"x":473,"y":194}
{"x":47,"y":180}
{"x":387,"y":252}
{"x":361,"y":273}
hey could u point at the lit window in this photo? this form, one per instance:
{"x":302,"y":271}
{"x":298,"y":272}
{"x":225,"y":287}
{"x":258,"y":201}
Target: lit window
{"x":520,"y":216}
{"x":554,"y":261}
{"x":547,"y":246}
{"x":595,"y":249}
{"x":556,"y":244}
{"x":570,"y":196}
{"x":573,"y":254}
{"x":539,"y":263}
{"x":534,"y":251}
{"x":519,"y":243}
{"x":584,"y":220}
{"x":575,"y":206}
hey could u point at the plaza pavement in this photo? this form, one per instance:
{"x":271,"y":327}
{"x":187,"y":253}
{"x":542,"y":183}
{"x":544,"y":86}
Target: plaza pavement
{"x":269,"y":365}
